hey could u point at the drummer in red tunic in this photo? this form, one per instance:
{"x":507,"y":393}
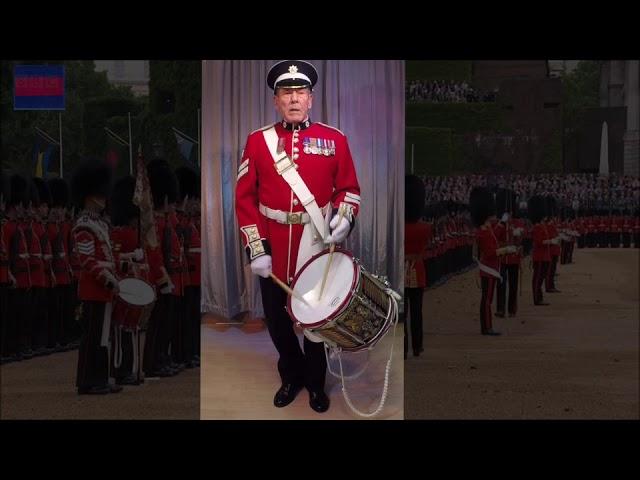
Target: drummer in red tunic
{"x":292,"y":179}
{"x":130,"y":261}
{"x":98,"y":284}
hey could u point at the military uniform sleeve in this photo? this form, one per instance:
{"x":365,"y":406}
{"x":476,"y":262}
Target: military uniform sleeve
{"x":86,"y":248}
{"x":346,"y":192}
{"x":249,"y":221}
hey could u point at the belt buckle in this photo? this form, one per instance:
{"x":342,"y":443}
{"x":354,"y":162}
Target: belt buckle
{"x":294,"y":218}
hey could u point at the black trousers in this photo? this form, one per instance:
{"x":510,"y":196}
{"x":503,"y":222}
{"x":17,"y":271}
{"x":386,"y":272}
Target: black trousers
{"x":614,"y":239}
{"x":581,"y":241}
{"x":68,"y":331}
{"x":4,"y":318}
{"x":509,"y":275}
{"x":294,"y":366}
{"x":539,"y":274}
{"x":178,"y":327}
{"x":93,"y":359}
{"x":413,"y":305}
{"x":636,"y":240}
{"x":590,"y":240}
{"x":156,"y":348}
{"x":550,"y":279}
{"x":191,"y":338}
{"x":488,"y":290}
{"x":626,"y":239}
{"x":570,"y":252}
{"x":564,"y":252}
{"x":39,"y":317}
{"x":17,"y":337}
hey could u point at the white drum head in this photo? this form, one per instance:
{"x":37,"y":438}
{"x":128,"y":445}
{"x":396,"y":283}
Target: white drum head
{"x":336,"y":290}
{"x":136,"y":292}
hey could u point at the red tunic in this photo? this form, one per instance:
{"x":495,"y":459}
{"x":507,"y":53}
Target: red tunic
{"x":16,"y":243}
{"x":487,"y":246}
{"x":60,"y":255}
{"x":97,"y":276}
{"x":540,"y":252}
{"x":330,"y":178}
{"x":416,"y":237}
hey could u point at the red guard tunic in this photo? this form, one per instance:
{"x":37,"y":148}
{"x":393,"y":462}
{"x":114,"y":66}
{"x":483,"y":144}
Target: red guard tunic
{"x":91,"y":237}
{"x":552,"y":231}
{"x":58,"y":239}
{"x":416,"y":237}
{"x":541,"y":252}
{"x":4,"y":256}
{"x":325,"y":165}
{"x":487,"y":246}
{"x":16,"y":243}
{"x":34,"y":232}
{"x":171,"y":251}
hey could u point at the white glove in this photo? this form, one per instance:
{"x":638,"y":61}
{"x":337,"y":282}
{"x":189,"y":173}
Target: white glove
{"x":517,"y":232}
{"x":168,"y":288}
{"x":505,"y":218}
{"x":138,"y":254}
{"x":338,"y":231}
{"x":261,"y":266}
{"x":512,"y":249}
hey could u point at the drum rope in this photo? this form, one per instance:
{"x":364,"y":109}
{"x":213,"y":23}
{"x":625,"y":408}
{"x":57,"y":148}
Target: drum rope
{"x":117,"y":355}
{"x":337,"y":375}
{"x":393,"y":297}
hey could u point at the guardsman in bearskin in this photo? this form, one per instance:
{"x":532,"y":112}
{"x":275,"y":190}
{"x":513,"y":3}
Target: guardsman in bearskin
{"x":293,"y":179}
{"x":509,"y":232}
{"x":6,"y":277}
{"x":130,"y":261}
{"x":416,"y":237}
{"x":190,"y":199}
{"x":489,"y":252}
{"x":18,"y":333}
{"x":46,"y":314}
{"x":98,"y":283}
{"x":169,"y":279}
{"x":62,"y":313}
{"x":541,"y":253}
{"x":554,"y":247}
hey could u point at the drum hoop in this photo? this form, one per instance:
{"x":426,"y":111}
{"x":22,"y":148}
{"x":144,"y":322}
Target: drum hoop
{"x":344,"y":303}
{"x":155,"y":297}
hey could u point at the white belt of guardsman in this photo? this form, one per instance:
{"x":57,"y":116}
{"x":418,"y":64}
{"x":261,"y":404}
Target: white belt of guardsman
{"x":491,"y":271}
{"x":289,"y":218}
{"x":286,"y":168}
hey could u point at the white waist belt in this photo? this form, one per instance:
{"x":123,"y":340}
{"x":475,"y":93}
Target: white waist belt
{"x":289,"y":218}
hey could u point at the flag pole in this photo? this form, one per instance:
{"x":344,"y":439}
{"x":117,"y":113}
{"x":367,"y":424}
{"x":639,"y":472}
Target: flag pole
{"x":130,"y":147}
{"x":60,"y":125}
{"x":199,"y":120}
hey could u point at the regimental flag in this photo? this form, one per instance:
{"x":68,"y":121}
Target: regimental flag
{"x":143,"y":199}
{"x":185,"y":145}
{"x":38,"y":87}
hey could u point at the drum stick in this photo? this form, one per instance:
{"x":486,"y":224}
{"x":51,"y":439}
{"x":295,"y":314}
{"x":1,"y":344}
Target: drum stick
{"x":331,"y":249}
{"x":286,"y":288}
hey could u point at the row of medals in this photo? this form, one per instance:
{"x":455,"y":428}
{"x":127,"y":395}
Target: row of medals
{"x":319,"y":146}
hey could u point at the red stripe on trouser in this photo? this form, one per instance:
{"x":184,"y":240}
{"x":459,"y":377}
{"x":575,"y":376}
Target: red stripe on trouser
{"x":487,"y":304}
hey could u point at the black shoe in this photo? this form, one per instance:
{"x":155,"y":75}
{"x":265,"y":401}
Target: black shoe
{"x":491,"y":333}
{"x":319,"y":401}
{"x":540,"y":303}
{"x":512,"y":314}
{"x":162,"y":372}
{"x":416,"y":353}
{"x":99,"y":390}
{"x":554,"y":290}
{"x":286,"y":394}
{"x":115,"y":388}
{"x":499,"y":314}
{"x":128,"y":380}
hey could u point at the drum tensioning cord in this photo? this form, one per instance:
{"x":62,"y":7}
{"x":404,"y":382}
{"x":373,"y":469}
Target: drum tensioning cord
{"x":393,"y":310}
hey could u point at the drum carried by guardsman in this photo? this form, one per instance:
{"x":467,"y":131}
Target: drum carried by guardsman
{"x":132,"y":308}
{"x":188,"y":215}
{"x":98,"y":283}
